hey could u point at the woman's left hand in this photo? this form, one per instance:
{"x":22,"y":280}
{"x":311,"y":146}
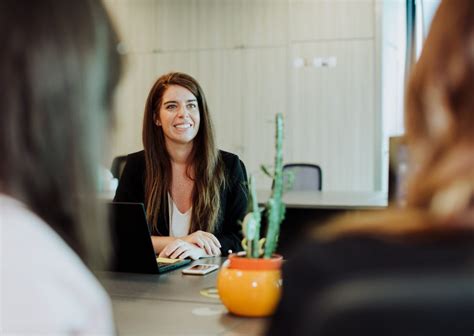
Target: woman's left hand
{"x":182,"y":250}
{"x":206,"y":241}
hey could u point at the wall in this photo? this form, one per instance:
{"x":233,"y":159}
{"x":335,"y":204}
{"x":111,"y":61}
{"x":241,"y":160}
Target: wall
{"x":316,"y":61}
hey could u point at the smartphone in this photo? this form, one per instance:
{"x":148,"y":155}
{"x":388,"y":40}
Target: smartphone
{"x":200,"y":269}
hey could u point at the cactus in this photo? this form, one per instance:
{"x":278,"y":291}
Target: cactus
{"x":275,"y":209}
{"x":251,"y":224}
{"x":275,"y":206}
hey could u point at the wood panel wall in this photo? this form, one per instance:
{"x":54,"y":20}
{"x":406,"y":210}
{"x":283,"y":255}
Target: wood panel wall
{"x":254,"y":58}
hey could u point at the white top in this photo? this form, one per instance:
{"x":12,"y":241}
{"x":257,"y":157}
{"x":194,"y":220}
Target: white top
{"x":179,"y":222}
{"x":44,"y":286}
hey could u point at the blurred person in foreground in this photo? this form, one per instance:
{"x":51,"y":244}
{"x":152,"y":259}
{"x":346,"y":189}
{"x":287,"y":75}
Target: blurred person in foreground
{"x":435,"y":231}
{"x":58,"y":70}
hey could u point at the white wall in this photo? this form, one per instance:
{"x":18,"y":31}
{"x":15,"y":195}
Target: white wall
{"x":245,"y":54}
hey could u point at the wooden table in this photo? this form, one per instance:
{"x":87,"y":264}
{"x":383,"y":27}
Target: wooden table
{"x":172,"y":304}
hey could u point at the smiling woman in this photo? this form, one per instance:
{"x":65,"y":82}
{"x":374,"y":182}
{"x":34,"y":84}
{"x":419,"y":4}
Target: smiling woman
{"x":194,"y":194}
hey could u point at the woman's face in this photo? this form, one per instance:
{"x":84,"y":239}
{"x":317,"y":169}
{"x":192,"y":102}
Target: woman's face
{"x":178,"y":115}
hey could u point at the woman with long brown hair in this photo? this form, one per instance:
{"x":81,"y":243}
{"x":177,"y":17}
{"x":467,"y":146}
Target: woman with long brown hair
{"x":194,"y":194}
{"x":436,"y":228}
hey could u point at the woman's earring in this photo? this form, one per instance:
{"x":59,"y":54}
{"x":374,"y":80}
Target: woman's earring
{"x":158,"y":123}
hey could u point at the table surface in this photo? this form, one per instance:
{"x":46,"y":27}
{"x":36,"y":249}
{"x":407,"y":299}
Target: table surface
{"x":350,"y":200}
{"x":172,"y":304}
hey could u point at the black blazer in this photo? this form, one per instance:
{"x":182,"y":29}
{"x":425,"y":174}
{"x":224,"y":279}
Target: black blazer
{"x":234,"y":197}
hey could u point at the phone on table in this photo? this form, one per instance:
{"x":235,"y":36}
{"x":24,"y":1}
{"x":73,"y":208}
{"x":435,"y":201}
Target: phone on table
{"x":200,"y":269}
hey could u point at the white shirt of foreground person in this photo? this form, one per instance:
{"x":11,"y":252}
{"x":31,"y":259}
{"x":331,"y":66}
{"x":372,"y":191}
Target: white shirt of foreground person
{"x":45,"y":289}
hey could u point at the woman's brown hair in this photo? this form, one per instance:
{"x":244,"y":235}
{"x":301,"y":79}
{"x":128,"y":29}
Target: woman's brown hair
{"x":439,"y":122}
{"x":205,"y":165}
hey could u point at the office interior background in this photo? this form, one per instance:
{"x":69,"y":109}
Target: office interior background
{"x":334,"y":68}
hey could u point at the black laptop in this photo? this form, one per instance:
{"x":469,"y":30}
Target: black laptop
{"x":133,"y":249}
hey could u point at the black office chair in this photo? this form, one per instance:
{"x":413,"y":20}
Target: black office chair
{"x":117,"y":166}
{"x":410,"y":305}
{"x":306,"y":176}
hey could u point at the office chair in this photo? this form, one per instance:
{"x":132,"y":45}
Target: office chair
{"x":306,"y":176}
{"x":117,"y":166}
{"x":409,"y":305}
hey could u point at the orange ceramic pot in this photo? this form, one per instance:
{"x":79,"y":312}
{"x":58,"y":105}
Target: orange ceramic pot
{"x":250,"y":287}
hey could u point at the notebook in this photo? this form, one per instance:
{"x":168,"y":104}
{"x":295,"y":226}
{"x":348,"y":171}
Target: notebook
{"x":132,"y":247}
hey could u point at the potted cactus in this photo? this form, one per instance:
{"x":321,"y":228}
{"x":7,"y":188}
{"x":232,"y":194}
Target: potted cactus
{"x":249,"y":283}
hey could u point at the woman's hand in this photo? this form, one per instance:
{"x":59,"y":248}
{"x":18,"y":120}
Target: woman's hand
{"x":206,"y":241}
{"x":182,"y":250}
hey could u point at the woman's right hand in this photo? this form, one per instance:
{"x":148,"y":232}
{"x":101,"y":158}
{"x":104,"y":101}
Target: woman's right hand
{"x":206,"y":241}
{"x":182,"y":250}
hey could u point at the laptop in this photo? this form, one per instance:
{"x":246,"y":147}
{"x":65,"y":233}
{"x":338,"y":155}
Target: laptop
{"x":133,"y":249}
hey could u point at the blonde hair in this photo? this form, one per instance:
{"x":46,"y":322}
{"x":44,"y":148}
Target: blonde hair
{"x":439,"y":122}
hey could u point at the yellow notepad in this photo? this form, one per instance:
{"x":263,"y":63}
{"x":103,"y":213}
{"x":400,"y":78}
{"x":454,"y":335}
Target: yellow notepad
{"x":167,"y":260}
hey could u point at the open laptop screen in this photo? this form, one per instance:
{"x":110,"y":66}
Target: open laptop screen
{"x":132,"y":245}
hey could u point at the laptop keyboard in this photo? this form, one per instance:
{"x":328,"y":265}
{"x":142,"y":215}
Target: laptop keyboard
{"x":166,"y":266}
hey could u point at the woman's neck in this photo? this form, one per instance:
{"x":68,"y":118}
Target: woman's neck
{"x":179,"y":153}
